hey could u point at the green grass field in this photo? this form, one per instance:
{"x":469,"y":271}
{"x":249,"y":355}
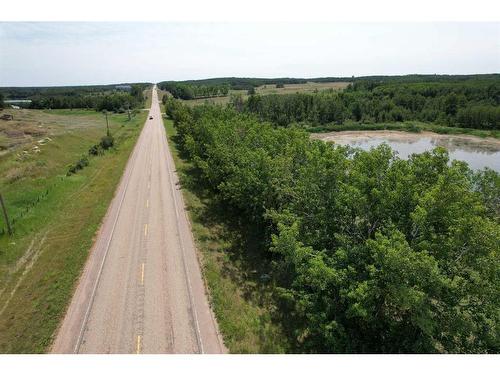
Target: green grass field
{"x":231,"y":261}
{"x":301,"y":87}
{"x":55,"y":217}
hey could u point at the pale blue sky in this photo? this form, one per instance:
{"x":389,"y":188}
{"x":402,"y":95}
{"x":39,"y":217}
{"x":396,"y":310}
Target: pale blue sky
{"x":39,"y":54}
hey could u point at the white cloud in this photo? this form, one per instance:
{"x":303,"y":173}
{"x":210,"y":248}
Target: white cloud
{"x":86,"y":53}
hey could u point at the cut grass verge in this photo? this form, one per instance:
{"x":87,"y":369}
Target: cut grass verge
{"x":42,"y":261}
{"x":232,"y":263}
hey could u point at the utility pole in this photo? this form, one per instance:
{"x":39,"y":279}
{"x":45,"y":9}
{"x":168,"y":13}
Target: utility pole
{"x":107,"y":124}
{"x":9,"y":229}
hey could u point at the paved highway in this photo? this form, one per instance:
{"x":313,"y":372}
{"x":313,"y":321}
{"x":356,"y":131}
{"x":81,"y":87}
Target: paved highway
{"x":141,"y":290}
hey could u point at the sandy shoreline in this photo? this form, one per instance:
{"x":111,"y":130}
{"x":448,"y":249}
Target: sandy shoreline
{"x":394,"y":135}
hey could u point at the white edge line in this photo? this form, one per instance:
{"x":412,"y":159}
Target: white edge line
{"x":193,"y":306}
{"x":92,"y":297}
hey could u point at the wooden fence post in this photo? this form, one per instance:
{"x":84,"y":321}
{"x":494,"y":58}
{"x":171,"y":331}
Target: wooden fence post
{"x":9,"y":228}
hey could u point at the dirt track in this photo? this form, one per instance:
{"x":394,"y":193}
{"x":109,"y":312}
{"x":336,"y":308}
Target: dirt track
{"x":141,"y":290}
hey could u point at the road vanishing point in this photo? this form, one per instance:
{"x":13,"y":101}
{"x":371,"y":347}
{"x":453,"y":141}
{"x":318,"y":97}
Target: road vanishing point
{"x":142,"y":290}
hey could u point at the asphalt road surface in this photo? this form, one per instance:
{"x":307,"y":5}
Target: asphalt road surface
{"x":141,"y":290}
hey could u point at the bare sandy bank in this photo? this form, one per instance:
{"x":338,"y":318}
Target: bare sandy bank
{"x":401,"y":136}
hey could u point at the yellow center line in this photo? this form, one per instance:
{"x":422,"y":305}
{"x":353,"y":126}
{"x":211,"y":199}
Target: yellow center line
{"x":142,"y":274}
{"x":145,"y":229}
{"x":138,"y":346}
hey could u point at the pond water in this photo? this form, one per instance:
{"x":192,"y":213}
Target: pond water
{"x":17,"y":101}
{"x":477,"y":152}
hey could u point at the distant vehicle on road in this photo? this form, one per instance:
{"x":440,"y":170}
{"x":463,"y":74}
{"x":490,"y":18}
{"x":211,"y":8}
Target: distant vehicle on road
{"x":150,"y":117}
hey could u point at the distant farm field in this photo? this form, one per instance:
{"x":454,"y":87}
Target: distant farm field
{"x":301,"y":87}
{"x":216,"y":99}
{"x":54,"y":216}
{"x":271,"y":89}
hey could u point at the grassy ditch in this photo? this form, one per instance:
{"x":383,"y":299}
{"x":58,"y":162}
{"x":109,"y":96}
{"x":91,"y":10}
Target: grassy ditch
{"x":55,"y":217}
{"x":232,"y":262}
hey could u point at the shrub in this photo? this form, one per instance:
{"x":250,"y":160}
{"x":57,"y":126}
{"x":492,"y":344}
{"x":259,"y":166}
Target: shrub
{"x":80,"y":164}
{"x":107,"y":142}
{"x":71,"y":170}
{"x":95,"y":150}
{"x":414,"y":128}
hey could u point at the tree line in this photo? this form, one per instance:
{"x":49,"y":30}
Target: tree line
{"x":189,"y":91}
{"x":29,"y":92}
{"x":109,"y":101}
{"x":235,"y":83}
{"x":89,"y":97}
{"x":371,"y":253}
{"x":469,"y":104}
{"x":239,"y":83}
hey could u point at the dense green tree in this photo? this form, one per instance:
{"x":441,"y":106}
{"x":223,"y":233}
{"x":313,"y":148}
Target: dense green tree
{"x":137,"y":93}
{"x":188,"y":91}
{"x":480,"y":117}
{"x":90,"y":97}
{"x":472,"y":103}
{"x":110,"y":101}
{"x":371,"y":253}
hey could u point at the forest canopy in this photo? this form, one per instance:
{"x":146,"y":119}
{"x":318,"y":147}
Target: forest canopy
{"x":472,"y":103}
{"x":104,"y":97}
{"x":188,"y":91}
{"x":371,"y":253}
{"x":239,"y":83}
